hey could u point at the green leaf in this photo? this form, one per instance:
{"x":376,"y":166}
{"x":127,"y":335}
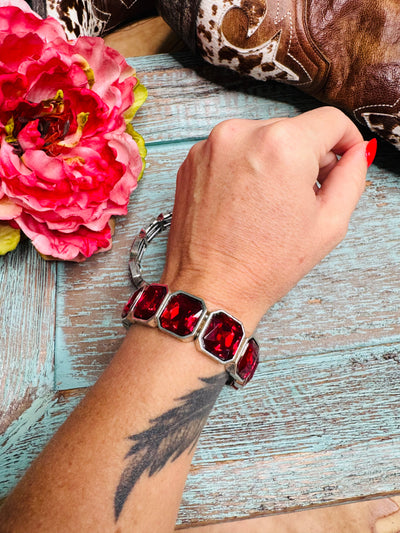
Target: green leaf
{"x":140,"y":94}
{"x":9,"y":238}
{"x":141,"y":145}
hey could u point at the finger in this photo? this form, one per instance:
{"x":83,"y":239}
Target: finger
{"x":269,"y":121}
{"x":342,"y":187}
{"x":326,"y":129}
{"x":326,"y":166}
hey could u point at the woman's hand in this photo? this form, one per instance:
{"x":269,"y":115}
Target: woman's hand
{"x":249,"y":220}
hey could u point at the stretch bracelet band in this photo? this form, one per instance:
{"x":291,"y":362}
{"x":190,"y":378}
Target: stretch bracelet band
{"x":217,"y":334}
{"x":140,"y":244}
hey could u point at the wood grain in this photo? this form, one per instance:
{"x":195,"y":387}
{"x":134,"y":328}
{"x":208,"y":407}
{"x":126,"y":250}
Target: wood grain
{"x":299,"y":442}
{"x":90,"y":295}
{"x":311,"y":431}
{"x":26,"y":436}
{"x":319,"y":423}
{"x":144,"y":37}
{"x":27,"y":319}
{"x":372,"y":516}
{"x":187,"y":98}
{"x":307,"y":431}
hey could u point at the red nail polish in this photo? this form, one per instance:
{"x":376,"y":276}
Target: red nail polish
{"x":370,"y":151}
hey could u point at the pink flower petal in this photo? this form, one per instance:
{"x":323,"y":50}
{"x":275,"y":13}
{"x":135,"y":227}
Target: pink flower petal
{"x":67,"y":246}
{"x":12,"y":87}
{"x":127,"y":154}
{"x":8,"y":209}
{"x":10,"y":164}
{"x":16,"y":48}
{"x":14,"y":20}
{"x":110,"y":71}
{"x":23,"y":6}
{"x":29,"y":137}
{"x":46,"y":168}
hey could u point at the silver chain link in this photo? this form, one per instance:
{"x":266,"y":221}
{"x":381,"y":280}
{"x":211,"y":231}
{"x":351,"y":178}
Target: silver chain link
{"x":140,"y":244}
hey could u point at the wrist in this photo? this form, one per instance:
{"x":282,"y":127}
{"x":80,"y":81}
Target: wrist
{"x":175,"y":306}
{"x":217,"y":334}
{"x":227,"y":294}
{"x":218,"y":294}
{"x":168,"y":356}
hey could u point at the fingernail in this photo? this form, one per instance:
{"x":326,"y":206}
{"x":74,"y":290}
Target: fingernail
{"x":370,"y":151}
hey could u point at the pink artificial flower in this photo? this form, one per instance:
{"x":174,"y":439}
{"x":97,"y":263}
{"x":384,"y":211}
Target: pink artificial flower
{"x":68,"y":161}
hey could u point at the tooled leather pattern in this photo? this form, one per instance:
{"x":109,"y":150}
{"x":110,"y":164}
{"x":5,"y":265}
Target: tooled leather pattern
{"x":344,"y":52}
{"x":78,"y":17}
{"x":95,"y":17}
{"x":362,"y":39}
{"x":262,"y":39}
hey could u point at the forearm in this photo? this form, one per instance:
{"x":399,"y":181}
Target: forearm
{"x":85,"y":481}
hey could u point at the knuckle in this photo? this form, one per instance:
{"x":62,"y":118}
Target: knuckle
{"x":277,"y":140}
{"x":223,"y":131}
{"x":194,"y":150}
{"x":180,"y":176}
{"x":334,"y":115}
{"x":194,"y":155}
{"x":330,"y":110}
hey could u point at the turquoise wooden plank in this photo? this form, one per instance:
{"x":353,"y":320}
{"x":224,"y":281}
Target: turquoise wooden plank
{"x":27,"y":319}
{"x":26,"y":436}
{"x":350,"y":299}
{"x":187,"y":98}
{"x":309,"y":430}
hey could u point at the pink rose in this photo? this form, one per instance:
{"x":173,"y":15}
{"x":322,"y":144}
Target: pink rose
{"x":68,"y":161}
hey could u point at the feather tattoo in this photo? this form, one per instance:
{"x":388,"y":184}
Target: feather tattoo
{"x":168,"y":436}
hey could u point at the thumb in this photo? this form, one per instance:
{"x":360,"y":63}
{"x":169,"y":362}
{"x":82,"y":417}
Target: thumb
{"x":343,"y":186}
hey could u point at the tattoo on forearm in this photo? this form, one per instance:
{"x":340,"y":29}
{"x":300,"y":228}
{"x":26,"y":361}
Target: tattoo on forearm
{"x":168,"y":436}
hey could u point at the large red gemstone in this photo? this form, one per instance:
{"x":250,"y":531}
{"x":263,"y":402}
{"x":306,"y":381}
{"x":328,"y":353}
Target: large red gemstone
{"x":248,"y":363}
{"x":128,"y":305}
{"x":222,"y":336}
{"x":150,"y":301}
{"x":181,"y":314}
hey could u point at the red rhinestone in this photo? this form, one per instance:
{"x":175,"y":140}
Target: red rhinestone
{"x":128,"y":305}
{"x":222,"y":336}
{"x":248,"y":363}
{"x":182,"y":314}
{"x":150,"y":301}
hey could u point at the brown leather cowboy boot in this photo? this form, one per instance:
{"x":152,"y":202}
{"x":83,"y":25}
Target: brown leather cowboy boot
{"x":345,"y":53}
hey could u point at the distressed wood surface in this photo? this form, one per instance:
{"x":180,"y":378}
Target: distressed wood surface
{"x":27,"y":435}
{"x":27,"y":320}
{"x":187,"y":98}
{"x":319,"y":424}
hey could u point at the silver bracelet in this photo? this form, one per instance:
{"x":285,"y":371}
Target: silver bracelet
{"x":140,"y":244}
{"x":217,"y":334}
